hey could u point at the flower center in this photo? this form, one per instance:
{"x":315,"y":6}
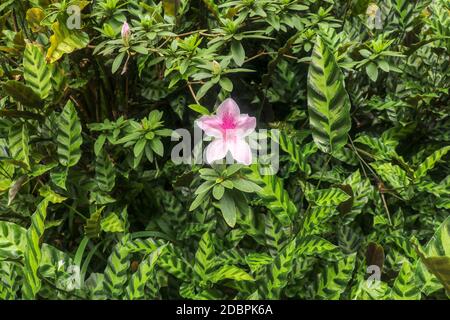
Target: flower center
{"x":228,"y":122}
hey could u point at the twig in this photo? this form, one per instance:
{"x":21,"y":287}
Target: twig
{"x":192,"y":93}
{"x":386,"y":207}
{"x":62,"y":290}
{"x":264,"y":53}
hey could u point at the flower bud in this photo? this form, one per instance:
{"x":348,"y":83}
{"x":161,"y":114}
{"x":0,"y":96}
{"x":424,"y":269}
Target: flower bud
{"x":372,"y":10}
{"x":216,"y":68}
{"x":126,"y":31}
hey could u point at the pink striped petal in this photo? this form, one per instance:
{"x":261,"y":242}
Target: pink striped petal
{"x":216,"y":150}
{"x":211,"y":125}
{"x":240,"y":150}
{"x":245,"y":125}
{"x":228,"y":109}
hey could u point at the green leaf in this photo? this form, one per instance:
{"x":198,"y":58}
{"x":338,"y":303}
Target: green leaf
{"x":359,"y":6}
{"x":171,"y":7}
{"x":22,"y":93}
{"x":136,"y":286}
{"x":80,"y":251}
{"x":139,"y":147}
{"x":51,"y":195}
{"x":99,"y":143}
{"x":315,"y":222}
{"x":33,"y":255}
{"x":435,"y":261}
{"x":9,"y":276}
{"x":228,"y":208}
{"x":246,"y":185}
{"x":197,"y":201}
{"x":257,"y":260}
{"x":105,"y":174}
{"x":34,"y":16}
{"x":372,"y":71}
{"x":92,"y":228}
{"x":278,"y":272}
{"x":69,"y":136}
{"x":37,"y":73}
{"x":139,"y":49}
{"x":332,"y":281}
{"x":112,"y":223}
{"x":230,"y":272}
{"x":274,"y":196}
{"x":298,"y":154}
{"x":18,"y":139}
{"x":328,"y":101}
{"x":316,"y":246}
{"x":405,"y":286}
{"x":204,"y":89}
{"x":218,"y":191}
{"x":395,"y":176}
{"x":115,"y":273}
{"x":327,"y":197}
{"x":117,"y":62}
{"x":275,"y":234}
{"x":157,"y":146}
{"x":198,"y":108}
{"x":440,"y":268}
{"x":238,"y":52}
{"x":384,"y":65}
{"x":65,"y":41}
{"x":226,"y":84}
{"x":204,"y":257}
{"x":176,"y":264}
{"x":430,"y":162}
{"x":13,"y":240}
{"x":59,"y":177}
{"x":204,"y":187}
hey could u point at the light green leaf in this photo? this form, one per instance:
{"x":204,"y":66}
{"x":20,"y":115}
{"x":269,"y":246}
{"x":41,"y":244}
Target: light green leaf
{"x":328,"y":101}
{"x":204,"y":257}
{"x":405,"y":285}
{"x":69,"y":136}
{"x":230,"y":272}
{"x":37,"y":73}
{"x":112,"y":223}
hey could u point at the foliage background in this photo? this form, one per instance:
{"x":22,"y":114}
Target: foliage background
{"x":359,"y":90}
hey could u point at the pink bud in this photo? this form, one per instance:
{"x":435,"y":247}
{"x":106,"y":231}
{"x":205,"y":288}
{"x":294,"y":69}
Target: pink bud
{"x":126,"y":31}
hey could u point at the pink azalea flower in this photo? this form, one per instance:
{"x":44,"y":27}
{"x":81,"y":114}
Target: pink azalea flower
{"x":126,"y":31}
{"x":229,"y":128}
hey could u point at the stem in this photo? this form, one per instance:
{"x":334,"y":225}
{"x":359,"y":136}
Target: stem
{"x":323,"y":171}
{"x":75,"y":210}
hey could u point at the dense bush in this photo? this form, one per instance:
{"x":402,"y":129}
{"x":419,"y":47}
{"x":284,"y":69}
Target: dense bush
{"x":93,"y":207}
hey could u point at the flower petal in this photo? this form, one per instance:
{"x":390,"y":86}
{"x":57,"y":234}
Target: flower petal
{"x":211,"y":125}
{"x":240,"y":150}
{"x":245,"y":125}
{"x":228,"y":108}
{"x":216,"y":150}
